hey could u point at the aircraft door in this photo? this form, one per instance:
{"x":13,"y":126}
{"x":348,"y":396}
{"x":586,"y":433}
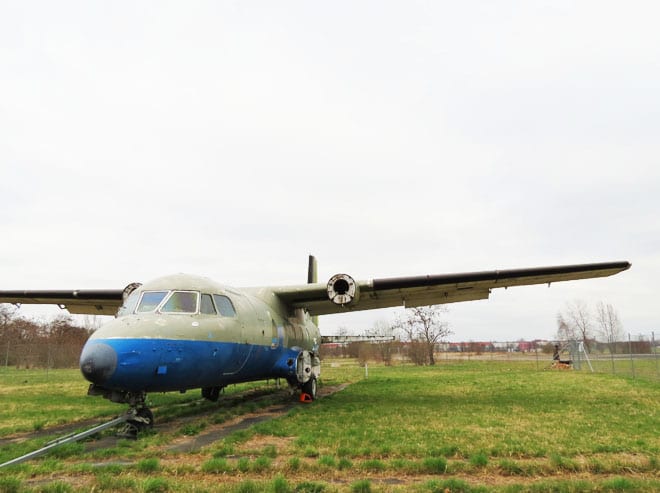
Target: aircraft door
{"x":237,"y":334}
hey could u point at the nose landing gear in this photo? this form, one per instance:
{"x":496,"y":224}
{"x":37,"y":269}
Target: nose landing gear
{"x":141,"y":420}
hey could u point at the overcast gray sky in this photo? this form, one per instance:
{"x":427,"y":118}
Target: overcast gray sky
{"x":232,"y":139}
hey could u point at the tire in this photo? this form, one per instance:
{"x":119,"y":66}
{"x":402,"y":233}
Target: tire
{"x":310,"y":387}
{"x":147,"y":419}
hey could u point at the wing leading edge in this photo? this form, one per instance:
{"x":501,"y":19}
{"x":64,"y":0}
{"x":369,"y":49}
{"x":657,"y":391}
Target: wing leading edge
{"x":376,"y":293}
{"x":83,"y":302}
{"x":439,"y":289}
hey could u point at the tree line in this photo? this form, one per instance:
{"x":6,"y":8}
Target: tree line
{"x":28,"y":343}
{"x":414,"y":336}
{"x":419,"y":333}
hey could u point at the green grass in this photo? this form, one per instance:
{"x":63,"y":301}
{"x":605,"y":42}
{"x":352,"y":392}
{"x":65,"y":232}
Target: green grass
{"x":463,"y":409}
{"x":31,"y":400}
{"x":471,"y":426}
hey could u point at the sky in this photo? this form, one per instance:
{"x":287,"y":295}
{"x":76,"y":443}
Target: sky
{"x":232,"y":139}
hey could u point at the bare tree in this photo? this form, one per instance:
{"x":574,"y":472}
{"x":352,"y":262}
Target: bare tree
{"x":609,"y":325}
{"x":92,"y":323}
{"x":424,"y":327}
{"x":575,"y":323}
{"x":7,"y":313}
{"x":565,"y":332}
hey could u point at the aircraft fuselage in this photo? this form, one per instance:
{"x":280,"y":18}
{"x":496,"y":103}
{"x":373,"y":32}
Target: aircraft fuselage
{"x":184,"y":332}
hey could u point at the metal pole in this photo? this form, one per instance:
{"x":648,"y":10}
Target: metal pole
{"x":67,"y":439}
{"x":577,"y":346}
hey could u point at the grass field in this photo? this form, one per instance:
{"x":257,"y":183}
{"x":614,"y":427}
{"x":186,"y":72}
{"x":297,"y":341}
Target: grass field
{"x":458,"y":426}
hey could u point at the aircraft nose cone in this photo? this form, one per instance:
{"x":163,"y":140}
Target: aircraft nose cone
{"x":98,"y":362}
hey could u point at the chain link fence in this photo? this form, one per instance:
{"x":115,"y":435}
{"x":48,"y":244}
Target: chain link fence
{"x":636,"y":356}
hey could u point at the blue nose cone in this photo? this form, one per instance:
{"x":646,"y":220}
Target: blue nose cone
{"x":98,"y":362}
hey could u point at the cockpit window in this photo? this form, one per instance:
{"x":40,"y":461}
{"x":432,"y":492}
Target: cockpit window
{"x":224,"y":305}
{"x":206,"y":307}
{"x":181,"y":302}
{"x":150,"y":301}
{"x":129,"y":304}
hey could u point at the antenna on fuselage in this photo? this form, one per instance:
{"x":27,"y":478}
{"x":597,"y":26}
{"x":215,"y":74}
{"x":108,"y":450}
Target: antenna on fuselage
{"x":313,"y":278}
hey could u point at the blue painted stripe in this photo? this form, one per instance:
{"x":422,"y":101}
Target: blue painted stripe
{"x":162,"y":365}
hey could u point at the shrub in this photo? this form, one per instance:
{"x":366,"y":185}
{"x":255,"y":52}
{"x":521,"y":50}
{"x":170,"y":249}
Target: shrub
{"x":269,"y":451}
{"x":225,"y":450}
{"x":217,"y":465}
{"x":148,"y":465}
{"x":310,"y":487}
{"x":261,"y":464}
{"x":435,"y":465}
{"x":479,"y":459}
{"x":248,"y":487}
{"x":293,"y":464}
{"x":327,"y":461}
{"x":156,"y":485}
{"x":280,"y":485}
{"x":373,"y":465}
{"x":362,"y":486}
{"x":10,"y":485}
{"x":243,"y":464}
{"x":619,"y":484}
{"x":56,"y":487}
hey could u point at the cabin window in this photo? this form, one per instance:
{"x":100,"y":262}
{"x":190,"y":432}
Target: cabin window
{"x":181,"y":302}
{"x":206,"y":306}
{"x":225,"y":306}
{"x":129,"y":305}
{"x":150,"y":301}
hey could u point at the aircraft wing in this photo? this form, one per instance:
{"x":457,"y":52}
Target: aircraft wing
{"x":435,"y":289}
{"x":84,"y":301}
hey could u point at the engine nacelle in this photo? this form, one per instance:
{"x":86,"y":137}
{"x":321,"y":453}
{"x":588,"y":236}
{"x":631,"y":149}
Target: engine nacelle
{"x":343,"y":290}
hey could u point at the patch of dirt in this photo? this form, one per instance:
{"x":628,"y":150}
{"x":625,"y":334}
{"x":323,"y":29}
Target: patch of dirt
{"x":216,"y":432}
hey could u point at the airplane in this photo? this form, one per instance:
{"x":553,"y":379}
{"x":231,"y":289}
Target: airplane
{"x":182,"y":332}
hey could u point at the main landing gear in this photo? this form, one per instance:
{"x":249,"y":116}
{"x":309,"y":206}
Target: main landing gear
{"x":211,"y":393}
{"x":308,"y":390}
{"x":308,"y":369}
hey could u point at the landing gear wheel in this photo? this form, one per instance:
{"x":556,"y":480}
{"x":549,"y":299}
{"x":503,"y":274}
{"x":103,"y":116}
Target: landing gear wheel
{"x":211,"y":393}
{"x":310,"y":387}
{"x":142,"y":419}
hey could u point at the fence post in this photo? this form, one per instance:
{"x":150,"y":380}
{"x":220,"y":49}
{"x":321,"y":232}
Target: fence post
{"x":536,"y":351}
{"x":655,"y":352}
{"x":632,"y":361}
